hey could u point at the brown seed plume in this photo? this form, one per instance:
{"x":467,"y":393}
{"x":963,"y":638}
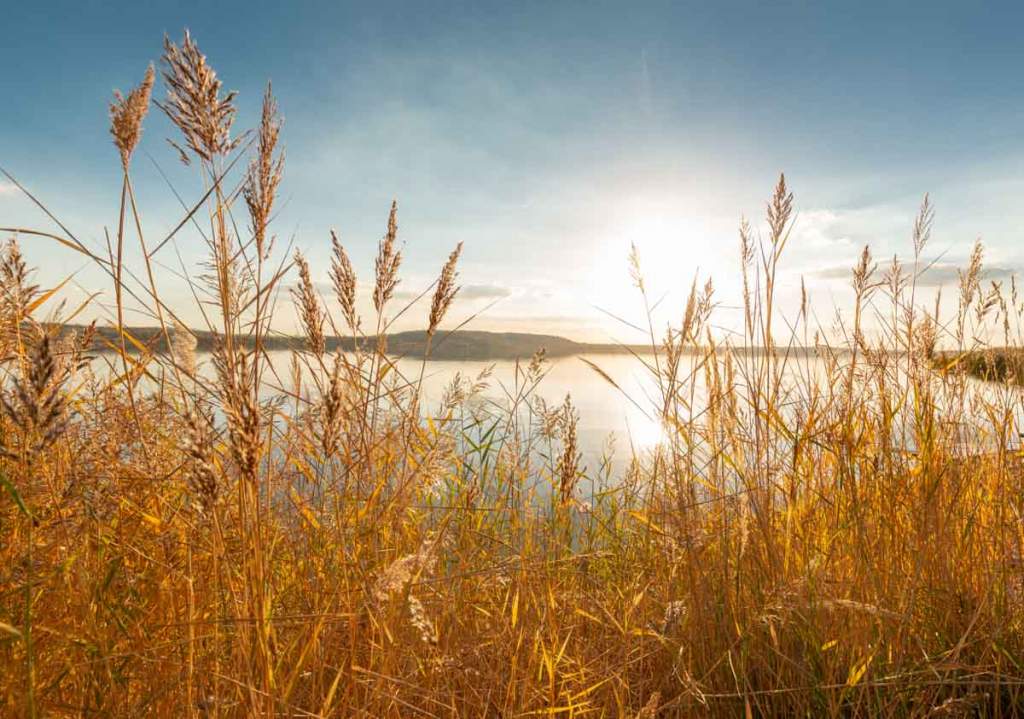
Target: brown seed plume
{"x":36,"y":402}
{"x":126,"y":115}
{"x":194,"y":102}
{"x":344,"y":279}
{"x":446,"y":290}
{"x":388,"y":260}
{"x":201,"y":474}
{"x":567,"y":469}
{"x":17,"y":292}
{"x":309,"y":308}
{"x":780,"y":209}
{"x":183,"y":348}
{"x":265,"y":172}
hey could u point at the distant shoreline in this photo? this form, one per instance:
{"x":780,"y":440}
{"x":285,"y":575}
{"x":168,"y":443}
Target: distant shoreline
{"x":460,"y":345}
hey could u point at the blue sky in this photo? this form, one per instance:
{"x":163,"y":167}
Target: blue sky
{"x":548,"y":136}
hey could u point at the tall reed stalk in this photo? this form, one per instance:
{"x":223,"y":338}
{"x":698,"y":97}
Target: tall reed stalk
{"x":831,"y":524}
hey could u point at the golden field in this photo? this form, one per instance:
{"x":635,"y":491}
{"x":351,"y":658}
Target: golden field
{"x":322,"y":542}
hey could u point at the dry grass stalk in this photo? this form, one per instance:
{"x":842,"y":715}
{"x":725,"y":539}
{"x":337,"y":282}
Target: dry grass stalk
{"x":310,"y":313}
{"x":194,"y":102}
{"x":567,"y":469}
{"x":260,"y":189}
{"x":202,"y":474}
{"x":781,"y":484}
{"x":126,"y":115}
{"x":445,"y":291}
{"x":343,"y":278}
{"x":183,"y":348}
{"x":389,"y":259}
{"x":36,"y":404}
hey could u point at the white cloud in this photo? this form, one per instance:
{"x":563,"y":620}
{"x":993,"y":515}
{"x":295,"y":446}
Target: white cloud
{"x":934,"y":274}
{"x":818,"y":230}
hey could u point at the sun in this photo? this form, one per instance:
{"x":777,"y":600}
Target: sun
{"x":674,"y":244}
{"x":644,"y":432}
{"x":660,"y":243}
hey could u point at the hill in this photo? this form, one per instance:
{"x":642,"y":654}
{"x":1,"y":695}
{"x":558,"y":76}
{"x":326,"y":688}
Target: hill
{"x":458,"y":345}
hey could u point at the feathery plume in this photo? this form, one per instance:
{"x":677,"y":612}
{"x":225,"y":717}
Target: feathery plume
{"x":634,"y":267}
{"x":200,"y":472}
{"x":780,"y":209}
{"x":923,"y":225}
{"x":445,"y":291}
{"x":126,"y":115}
{"x":17,"y":293}
{"x":183,"y":348}
{"x":343,"y":278}
{"x":650,"y":709}
{"x":568,"y":467}
{"x":970,"y":278}
{"x":863,"y":272}
{"x":36,"y":403}
{"x":194,"y":102}
{"x":309,"y":308}
{"x":331,"y":412}
{"x":264,"y":173}
{"x":387,"y":263}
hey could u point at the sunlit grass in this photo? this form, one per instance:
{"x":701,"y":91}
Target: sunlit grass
{"x":322,"y":541}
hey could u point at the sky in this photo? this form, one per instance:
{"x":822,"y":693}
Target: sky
{"x":547,"y":137}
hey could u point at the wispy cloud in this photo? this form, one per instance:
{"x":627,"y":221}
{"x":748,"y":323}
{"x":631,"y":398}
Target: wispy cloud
{"x":466,"y":292}
{"x":822,"y":229}
{"x":484,"y":292}
{"x":937,"y":275}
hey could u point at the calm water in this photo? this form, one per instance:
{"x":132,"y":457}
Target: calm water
{"x":605,"y":413}
{"x":625,"y":415}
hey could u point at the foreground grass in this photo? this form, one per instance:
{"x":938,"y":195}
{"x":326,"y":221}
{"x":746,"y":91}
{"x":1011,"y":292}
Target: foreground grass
{"x":836,"y":543}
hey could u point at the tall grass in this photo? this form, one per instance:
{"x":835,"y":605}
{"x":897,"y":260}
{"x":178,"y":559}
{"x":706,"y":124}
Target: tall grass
{"x":842,"y":541}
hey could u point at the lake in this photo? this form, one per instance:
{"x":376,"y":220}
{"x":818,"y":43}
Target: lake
{"x":605,"y":412}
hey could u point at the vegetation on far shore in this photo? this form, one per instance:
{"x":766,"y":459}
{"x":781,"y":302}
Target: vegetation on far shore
{"x":837,"y":541}
{"x":997,"y":364}
{"x":466,"y":345}
{"x":456,"y":345}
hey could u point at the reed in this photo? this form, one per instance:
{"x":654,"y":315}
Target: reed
{"x":188,"y":536}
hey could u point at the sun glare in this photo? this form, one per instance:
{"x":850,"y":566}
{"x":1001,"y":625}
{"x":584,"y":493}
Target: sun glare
{"x":670,"y":245}
{"x":644,"y":432}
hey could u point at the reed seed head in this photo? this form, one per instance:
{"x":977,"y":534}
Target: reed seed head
{"x":183,"y":348}
{"x":194,"y":102}
{"x":445,"y":291}
{"x":343,"y":277}
{"x":310,"y":313}
{"x":35,"y":403}
{"x":265,"y":172}
{"x":126,"y":115}
{"x":389,"y":258}
{"x":923,"y":225}
{"x":780,"y":209}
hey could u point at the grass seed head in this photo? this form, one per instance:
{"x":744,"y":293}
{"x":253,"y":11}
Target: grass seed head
{"x":126,"y":115}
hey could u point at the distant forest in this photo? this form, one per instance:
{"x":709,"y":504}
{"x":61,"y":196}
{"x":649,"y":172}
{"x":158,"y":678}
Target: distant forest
{"x":463,"y":345}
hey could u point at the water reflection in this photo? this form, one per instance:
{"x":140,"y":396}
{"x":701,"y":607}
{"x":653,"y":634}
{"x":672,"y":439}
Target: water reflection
{"x":622,"y":413}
